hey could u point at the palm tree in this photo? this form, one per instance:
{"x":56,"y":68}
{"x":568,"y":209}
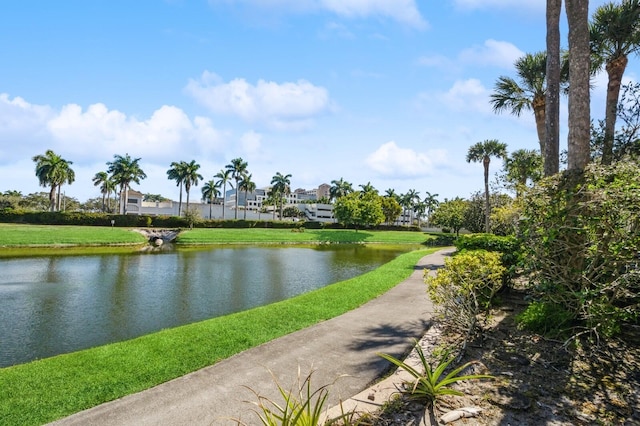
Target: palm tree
{"x":237,"y":167}
{"x":281,"y":186}
{"x":614,"y":35}
{"x":527,"y":94}
{"x":521,"y":166}
{"x":431,"y":202}
{"x":191,"y":177}
{"x":106,"y":186}
{"x":368,"y":189}
{"x":411,"y":198}
{"x":177,"y":172}
{"x":53,"y":171}
{"x":551,"y":154}
{"x":483,"y":151}
{"x":223,"y":177}
{"x":339,"y":188}
{"x":125,"y":170}
{"x":210,"y":190}
{"x":247,"y":185}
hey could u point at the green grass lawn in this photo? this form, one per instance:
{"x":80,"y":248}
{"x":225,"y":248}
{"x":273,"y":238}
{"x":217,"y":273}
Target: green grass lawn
{"x":12,"y":235}
{"x":270,"y":235}
{"x":48,"y":389}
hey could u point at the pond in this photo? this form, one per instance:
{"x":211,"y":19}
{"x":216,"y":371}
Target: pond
{"x":57,"y":304}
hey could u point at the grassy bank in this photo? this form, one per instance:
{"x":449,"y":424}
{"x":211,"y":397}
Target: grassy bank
{"x":12,"y":235}
{"x":45,"y":390}
{"x":270,"y":235}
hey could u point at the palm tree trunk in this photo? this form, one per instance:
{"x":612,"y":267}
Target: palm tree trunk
{"x":180,"y":201}
{"x":224,"y":198}
{"x":52,"y":198}
{"x":236,"y":211}
{"x":551,"y":153}
{"x":615,"y":71}
{"x":210,"y":205}
{"x":579,"y":74}
{"x":245,"y":205}
{"x":187,"y":190}
{"x":487,"y":225}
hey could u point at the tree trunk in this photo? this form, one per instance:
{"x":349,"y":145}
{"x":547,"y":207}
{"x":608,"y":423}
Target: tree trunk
{"x":539,"y":112}
{"x":551,"y":153}
{"x":52,"y":198}
{"x":615,"y":71}
{"x":485,"y":162}
{"x":180,"y":201}
{"x":579,"y":62}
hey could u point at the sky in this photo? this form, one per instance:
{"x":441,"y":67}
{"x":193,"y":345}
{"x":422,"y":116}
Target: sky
{"x":387,"y":92}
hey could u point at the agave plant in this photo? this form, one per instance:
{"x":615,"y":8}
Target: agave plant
{"x":300,"y":406}
{"x":431,"y":384}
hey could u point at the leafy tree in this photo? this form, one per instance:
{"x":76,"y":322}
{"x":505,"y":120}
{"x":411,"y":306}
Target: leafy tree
{"x":53,"y":171}
{"x":356,"y":209}
{"x":281,"y":187}
{"x":125,"y":170}
{"x":247,"y":185}
{"x":614,"y":35}
{"x":483,"y":151}
{"x":292,"y":211}
{"x":210,"y":190}
{"x":522,"y":167}
{"x":237,"y":168}
{"x":451,"y":214}
{"x":390,"y":208}
{"x":475,"y":214}
{"x":224,"y":177}
{"x":339,"y":188}
{"x":154,"y":198}
{"x":38,"y":201}
{"x":177,"y":172}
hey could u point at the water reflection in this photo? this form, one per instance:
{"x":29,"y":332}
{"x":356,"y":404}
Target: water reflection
{"x":57,"y":304}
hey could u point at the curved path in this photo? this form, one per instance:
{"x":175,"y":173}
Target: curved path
{"x":341,"y":351}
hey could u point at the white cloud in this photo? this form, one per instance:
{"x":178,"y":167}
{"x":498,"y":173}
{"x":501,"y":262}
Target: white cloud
{"x":493,"y":52}
{"x":537,"y":5}
{"x":390,"y":160}
{"x":403,"y":11}
{"x":464,"y":95}
{"x":251,"y":143}
{"x":279,"y":105}
{"x":22,"y":125}
{"x":100,"y":132}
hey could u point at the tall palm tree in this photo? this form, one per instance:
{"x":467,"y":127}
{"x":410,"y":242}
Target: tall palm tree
{"x":106,"y":186}
{"x":237,"y":167}
{"x":614,"y":35}
{"x":339,"y":188}
{"x":210,"y":190}
{"x":224,"y":177}
{"x":431,"y":202}
{"x":177,"y":173}
{"x":123,"y":171}
{"x":482,"y":152}
{"x":527,"y":94}
{"x":551,"y":154}
{"x":281,"y":186}
{"x":247,"y":185}
{"x":53,"y":171}
{"x":191,"y":177}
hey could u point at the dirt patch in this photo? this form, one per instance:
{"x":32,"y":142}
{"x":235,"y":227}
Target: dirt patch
{"x":537,"y":381}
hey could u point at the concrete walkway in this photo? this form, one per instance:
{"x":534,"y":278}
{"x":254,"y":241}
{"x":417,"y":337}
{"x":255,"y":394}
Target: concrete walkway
{"x":343,"y":346}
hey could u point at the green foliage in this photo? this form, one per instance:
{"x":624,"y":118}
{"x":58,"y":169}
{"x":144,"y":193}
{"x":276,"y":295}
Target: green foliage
{"x":582,"y":239}
{"x":475,"y":216}
{"x":508,"y":247}
{"x":391,"y":209}
{"x":451,"y":214}
{"x":465,"y":287}
{"x":430,"y":384}
{"x":545,"y":318}
{"x":359,"y":209}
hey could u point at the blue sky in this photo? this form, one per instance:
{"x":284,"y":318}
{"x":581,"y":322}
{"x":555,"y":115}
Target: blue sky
{"x":391,"y":92}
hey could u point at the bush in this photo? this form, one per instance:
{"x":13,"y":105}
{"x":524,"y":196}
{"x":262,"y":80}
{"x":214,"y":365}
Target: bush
{"x":545,"y":318}
{"x":581,"y":234}
{"x":508,"y":247}
{"x":465,"y":287}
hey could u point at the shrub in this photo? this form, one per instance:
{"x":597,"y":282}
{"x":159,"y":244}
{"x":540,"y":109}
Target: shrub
{"x":465,"y":287}
{"x":507,"y":246}
{"x":582,"y":238}
{"x":545,"y":318}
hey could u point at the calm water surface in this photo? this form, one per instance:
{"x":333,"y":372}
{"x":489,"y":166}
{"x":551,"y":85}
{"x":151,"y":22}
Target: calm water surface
{"x":57,"y":304}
